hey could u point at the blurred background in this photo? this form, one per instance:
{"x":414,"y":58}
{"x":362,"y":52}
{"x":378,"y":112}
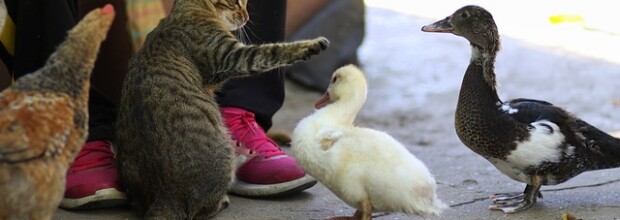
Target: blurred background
{"x":566,"y":52}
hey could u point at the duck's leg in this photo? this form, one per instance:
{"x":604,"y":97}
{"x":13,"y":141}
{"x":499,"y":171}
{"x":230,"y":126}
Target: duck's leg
{"x":359,"y":215}
{"x":504,"y":198}
{"x":507,"y":197}
{"x":366,"y":211}
{"x":511,"y":203}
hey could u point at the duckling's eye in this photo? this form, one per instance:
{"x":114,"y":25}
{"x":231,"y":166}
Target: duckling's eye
{"x":334,"y":79}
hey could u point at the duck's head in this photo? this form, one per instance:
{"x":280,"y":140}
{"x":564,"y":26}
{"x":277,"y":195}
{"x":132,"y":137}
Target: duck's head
{"x":472,"y":22}
{"x":347,"y":83}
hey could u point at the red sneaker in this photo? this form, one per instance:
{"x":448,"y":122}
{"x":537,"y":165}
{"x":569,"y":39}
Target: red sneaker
{"x":266,"y":169}
{"x":92,"y":179}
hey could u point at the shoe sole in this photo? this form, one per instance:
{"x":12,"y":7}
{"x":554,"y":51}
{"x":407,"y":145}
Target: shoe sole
{"x":245,"y":189}
{"x":104,"y":198}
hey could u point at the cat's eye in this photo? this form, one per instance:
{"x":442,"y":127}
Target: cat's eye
{"x":227,"y":6}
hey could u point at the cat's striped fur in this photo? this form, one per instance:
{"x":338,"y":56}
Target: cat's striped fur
{"x":173,"y":153}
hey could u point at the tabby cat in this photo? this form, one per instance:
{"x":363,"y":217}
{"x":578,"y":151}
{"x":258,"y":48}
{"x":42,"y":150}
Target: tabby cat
{"x":173,"y":153}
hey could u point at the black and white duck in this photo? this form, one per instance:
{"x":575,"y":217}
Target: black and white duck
{"x":531,"y":141}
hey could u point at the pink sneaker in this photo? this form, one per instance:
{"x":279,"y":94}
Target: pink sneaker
{"x":92,"y":179}
{"x":265,"y":170}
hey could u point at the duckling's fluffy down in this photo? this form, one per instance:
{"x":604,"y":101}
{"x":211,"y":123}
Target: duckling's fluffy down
{"x":363,"y":163}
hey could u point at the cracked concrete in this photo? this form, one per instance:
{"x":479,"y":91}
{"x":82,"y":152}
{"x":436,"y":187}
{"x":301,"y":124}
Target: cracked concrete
{"x":414,"y":80}
{"x":583,"y":186}
{"x":544,"y":190}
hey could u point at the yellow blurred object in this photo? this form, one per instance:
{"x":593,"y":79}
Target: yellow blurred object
{"x":568,"y":216}
{"x":142,"y":17}
{"x":562,"y":18}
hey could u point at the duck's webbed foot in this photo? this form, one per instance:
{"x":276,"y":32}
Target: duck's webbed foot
{"x":516,"y":202}
{"x":512,"y":207}
{"x":505,"y":198}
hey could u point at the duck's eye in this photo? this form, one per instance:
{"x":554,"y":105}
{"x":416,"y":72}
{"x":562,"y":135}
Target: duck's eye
{"x":465,"y":14}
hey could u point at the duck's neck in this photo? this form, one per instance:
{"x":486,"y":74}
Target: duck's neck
{"x":485,"y":58}
{"x":341,"y":112}
{"x":479,"y":86}
{"x":478,"y":100}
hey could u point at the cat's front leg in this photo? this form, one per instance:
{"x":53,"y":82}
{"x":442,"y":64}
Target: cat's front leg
{"x":271,"y":56}
{"x":309,"y":48}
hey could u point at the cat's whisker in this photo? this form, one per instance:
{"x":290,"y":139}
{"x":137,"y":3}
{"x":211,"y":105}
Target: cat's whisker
{"x":246,"y":37}
{"x":247,"y":31}
{"x":242,"y":35}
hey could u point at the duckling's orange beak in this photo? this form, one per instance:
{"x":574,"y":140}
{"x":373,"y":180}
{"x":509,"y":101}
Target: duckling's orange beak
{"x":441,"y":26}
{"x":323,"y":101}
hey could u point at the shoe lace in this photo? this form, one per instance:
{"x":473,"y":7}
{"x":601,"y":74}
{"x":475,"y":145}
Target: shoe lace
{"x":93,"y":155}
{"x":246,"y":132}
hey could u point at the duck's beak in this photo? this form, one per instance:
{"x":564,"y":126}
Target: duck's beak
{"x":323,"y":101}
{"x":441,"y":26}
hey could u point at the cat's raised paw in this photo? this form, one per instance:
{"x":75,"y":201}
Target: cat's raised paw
{"x":318,"y":45}
{"x":323,"y":42}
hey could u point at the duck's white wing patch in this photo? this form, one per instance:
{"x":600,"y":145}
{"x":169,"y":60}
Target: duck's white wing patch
{"x":542,"y":146}
{"x":328,"y":136}
{"x":507,"y":108}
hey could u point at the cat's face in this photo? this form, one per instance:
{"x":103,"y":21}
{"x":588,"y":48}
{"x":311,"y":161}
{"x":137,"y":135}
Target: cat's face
{"x":232,"y":12}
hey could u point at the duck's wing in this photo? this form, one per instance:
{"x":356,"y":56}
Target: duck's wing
{"x":601,"y":143}
{"x":328,"y":135}
{"x":531,"y":110}
{"x":577,"y":132}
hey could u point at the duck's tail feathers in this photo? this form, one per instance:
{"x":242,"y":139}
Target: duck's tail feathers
{"x":433,"y":207}
{"x":602,"y":144}
{"x":438,"y":207}
{"x":426,"y":203}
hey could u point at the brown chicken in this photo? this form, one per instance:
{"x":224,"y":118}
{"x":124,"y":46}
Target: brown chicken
{"x":43,"y":122}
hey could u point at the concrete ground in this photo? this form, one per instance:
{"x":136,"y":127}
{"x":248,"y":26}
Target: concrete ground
{"x":414,"y":79}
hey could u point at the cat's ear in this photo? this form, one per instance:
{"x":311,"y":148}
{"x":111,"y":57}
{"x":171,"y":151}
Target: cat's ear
{"x":242,"y":3}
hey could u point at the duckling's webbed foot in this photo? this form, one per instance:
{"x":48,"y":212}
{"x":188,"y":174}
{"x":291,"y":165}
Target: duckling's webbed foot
{"x":516,"y":202}
{"x":357,"y":216}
